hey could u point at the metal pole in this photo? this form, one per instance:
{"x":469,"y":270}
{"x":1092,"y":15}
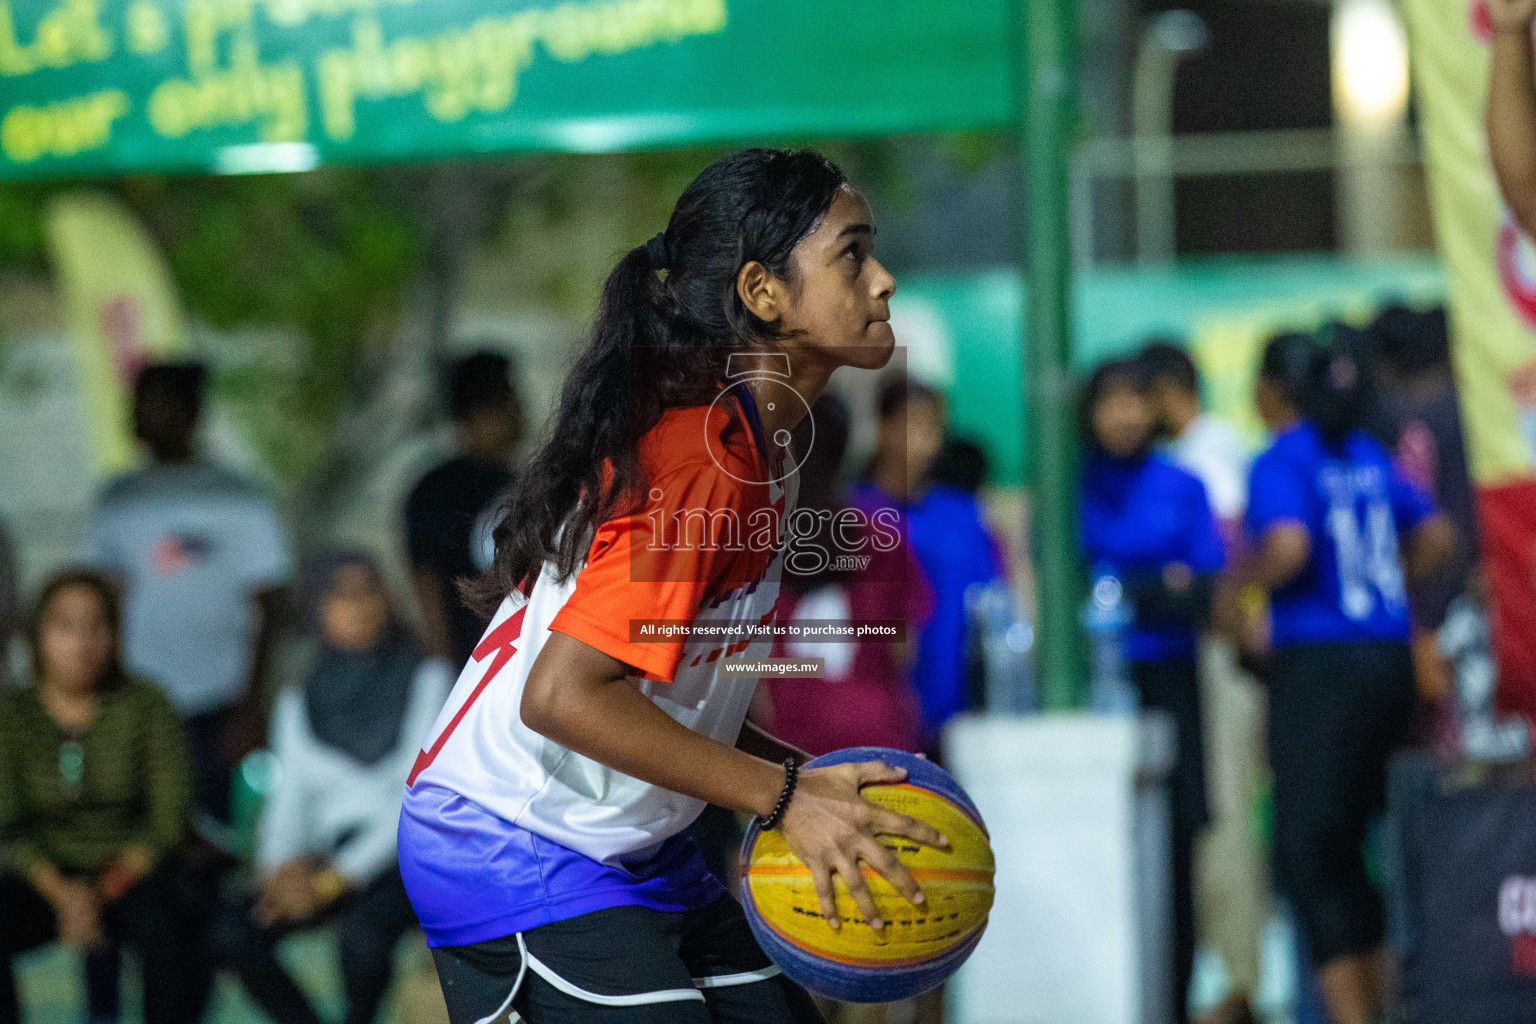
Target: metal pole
{"x":1152,"y":128}
{"x":1046,"y":112}
{"x":1167,"y":37}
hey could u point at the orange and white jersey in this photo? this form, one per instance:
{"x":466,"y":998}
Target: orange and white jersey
{"x":706,"y":548}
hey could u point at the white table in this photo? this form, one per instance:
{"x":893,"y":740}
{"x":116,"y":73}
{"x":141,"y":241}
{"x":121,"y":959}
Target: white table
{"x":1076,"y":805}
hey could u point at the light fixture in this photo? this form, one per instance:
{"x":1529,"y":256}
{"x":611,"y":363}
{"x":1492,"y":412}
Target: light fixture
{"x":1370,"y":63}
{"x":267,"y":158}
{"x":1179,"y":31}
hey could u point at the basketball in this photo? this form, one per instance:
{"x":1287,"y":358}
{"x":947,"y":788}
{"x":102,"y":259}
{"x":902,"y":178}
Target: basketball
{"x":922,"y":945}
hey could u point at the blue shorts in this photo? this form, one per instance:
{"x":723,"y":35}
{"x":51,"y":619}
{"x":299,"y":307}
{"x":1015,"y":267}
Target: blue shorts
{"x":473,"y":876}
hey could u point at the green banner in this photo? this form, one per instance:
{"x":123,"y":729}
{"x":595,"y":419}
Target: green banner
{"x":112,"y":86}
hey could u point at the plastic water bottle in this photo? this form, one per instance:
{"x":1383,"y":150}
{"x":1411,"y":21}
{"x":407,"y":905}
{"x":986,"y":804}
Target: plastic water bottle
{"x":1000,"y":645}
{"x":1107,"y":617}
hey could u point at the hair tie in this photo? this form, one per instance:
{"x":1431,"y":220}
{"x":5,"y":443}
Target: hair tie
{"x":656,"y":249}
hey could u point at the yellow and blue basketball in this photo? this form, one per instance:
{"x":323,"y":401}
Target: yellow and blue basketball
{"x":922,"y":945}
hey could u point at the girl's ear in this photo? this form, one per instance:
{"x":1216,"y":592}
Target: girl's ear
{"x":764,"y":295}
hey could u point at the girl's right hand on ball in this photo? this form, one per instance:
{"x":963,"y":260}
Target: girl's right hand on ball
{"x":831,"y":827}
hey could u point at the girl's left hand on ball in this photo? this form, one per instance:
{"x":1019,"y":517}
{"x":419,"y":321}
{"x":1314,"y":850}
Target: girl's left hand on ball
{"x":831,"y":827}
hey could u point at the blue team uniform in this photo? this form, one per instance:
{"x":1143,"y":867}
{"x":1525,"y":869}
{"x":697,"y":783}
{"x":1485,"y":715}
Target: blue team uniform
{"x":1355,"y":505}
{"x":956,"y":550}
{"x":1139,"y":515}
{"x":1341,"y":680}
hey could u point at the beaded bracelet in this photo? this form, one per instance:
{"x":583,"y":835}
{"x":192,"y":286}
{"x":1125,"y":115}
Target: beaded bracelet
{"x":791,"y":776}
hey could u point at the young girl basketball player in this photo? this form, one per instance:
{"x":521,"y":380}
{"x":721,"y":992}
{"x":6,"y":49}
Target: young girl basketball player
{"x":541,"y":838}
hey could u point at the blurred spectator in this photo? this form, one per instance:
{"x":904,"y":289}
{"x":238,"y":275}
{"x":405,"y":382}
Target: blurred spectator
{"x":1482,"y":733}
{"x":344,"y":743}
{"x":203,"y":559}
{"x":1372,"y":414}
{"x":865,"y":694}
{"x":1285,"y":371}
{"x":864,"y":697}
{"x":1203,"y":443}
{"x":908,"y":436}
{"x":1328,"y":515}
{"x":9,"y":608}
{"x":451,"y":510}
{"x":1233,"y":904}
{"x":1418,"y":390}
{"x":95,"y":796}
{"x":1147,"y":522}
{"x":956,"y":549}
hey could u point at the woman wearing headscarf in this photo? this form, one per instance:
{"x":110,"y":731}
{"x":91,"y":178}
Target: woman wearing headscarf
{"x":344,"y":742}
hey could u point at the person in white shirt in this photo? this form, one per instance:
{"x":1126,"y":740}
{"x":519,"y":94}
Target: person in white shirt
{"x":344,"y":743}
{"x":1232,"y":889}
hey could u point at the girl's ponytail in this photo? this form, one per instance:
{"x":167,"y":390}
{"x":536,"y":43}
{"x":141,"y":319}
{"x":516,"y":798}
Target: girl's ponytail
{"x":594,"y":414}
{"x":1335,"y":395}
{"x":1287,"y":364}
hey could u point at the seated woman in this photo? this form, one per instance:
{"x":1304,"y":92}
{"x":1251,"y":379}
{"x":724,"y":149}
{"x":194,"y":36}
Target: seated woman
{"x":345,"y":742}
{"x":95,"y":794}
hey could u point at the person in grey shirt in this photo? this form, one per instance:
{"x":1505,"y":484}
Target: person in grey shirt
{"x":203,"y":560}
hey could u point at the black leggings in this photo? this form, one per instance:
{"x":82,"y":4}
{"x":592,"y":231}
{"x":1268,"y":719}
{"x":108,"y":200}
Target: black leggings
{"x":212,"y":773}
{"x":1173,"y":686}
{"x":367,"y":925}
{"x":624,"y":965}
{"x":151,"y":918}
{"x":1337,"y":712}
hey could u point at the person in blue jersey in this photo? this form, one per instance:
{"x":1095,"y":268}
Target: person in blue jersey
{"x":956,"y":548}
{"x":1335,"y":530}
{"x":1149,"y":523}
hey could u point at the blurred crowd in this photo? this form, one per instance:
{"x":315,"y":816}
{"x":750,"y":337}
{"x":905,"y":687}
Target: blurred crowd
{"x":1299,"y":616}
{"x":144,"y":695}
{"x":143,"y":714}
